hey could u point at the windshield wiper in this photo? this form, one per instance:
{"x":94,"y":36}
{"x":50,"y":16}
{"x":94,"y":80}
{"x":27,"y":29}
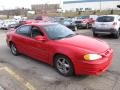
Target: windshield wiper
{"x":70,"y":35}
{"x":58,"y":38}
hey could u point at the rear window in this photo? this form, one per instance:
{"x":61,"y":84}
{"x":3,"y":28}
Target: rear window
{"x":105,"y":19}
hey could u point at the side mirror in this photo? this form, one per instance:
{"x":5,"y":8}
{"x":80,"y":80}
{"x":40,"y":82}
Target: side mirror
{"x":40,"y":38}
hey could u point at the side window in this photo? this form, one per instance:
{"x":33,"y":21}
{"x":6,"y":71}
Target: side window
{"x":36,"y":31}
{"x":24,"y":30}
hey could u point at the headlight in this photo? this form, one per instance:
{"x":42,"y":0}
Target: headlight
{"x":92,"y":56}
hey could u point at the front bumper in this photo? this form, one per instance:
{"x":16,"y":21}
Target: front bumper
{"x":81,"y":25}
{"x":94,"y":67}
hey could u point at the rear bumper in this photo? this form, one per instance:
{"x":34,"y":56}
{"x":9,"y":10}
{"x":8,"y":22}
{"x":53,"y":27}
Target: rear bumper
{"x":104,"y":31}
{"x":94,"y":67}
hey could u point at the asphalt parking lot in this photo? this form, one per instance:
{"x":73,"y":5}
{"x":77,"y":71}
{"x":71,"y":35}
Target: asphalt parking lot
{"x":24,"y":73}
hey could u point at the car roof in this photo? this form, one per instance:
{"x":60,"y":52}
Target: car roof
{"x":111,"y":15}
{"x":42,"y":23}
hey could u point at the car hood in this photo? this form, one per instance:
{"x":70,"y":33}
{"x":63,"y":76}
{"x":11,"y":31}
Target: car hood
{"x":84,"y":42}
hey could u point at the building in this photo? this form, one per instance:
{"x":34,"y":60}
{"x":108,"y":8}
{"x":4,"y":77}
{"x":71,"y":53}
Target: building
{"x":45,"y":8}
{"x":90,"y":4}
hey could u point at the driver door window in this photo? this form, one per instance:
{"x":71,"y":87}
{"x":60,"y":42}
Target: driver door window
{"x":35,"y":31}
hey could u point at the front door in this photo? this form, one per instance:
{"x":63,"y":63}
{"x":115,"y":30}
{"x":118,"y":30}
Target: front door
{"x":38,"y":49}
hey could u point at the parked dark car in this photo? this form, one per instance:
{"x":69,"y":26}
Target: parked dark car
{"x":70,"y":24}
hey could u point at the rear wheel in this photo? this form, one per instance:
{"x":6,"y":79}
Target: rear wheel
{"x":14,"y":49}
{"x":64,"y":65}
{"x":117,"y":35}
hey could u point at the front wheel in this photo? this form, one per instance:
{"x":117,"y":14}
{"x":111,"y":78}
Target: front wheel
{"x":94,"y":34}
{"x":14,"y":49}
{"x":64,"y":65}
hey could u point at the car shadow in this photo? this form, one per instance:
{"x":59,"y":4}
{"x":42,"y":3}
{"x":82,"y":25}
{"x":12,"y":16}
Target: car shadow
{"x":105,"y":37}
{"x":79,"y":77}
{"x":48,"y":66}
{"x":35,"y":60}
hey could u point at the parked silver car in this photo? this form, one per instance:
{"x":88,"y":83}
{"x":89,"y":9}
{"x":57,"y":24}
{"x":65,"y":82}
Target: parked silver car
{"x":8,"y":24}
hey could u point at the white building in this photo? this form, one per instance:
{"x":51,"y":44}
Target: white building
{"x":90,"y":4}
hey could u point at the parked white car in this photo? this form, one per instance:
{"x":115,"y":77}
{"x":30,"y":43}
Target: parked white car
{"x":107,"y":24}
{"x":8,"y":24}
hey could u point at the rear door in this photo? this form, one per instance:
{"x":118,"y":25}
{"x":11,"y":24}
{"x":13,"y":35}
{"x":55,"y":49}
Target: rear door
{"x":21,"y":38}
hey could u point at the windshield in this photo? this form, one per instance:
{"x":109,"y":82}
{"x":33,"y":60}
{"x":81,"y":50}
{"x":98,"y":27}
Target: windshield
{"x":57,"y":31}
{"x":105,"y":19}
{"x":84,"y":17}
{"x":67,"y":22}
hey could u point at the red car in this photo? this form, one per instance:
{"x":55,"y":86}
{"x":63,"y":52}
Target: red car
{"x":59,"y":46}
{"x":84,"y":22}
{"x":36,"y":20}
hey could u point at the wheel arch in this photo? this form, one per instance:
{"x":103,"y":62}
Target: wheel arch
{"x":56,"y":54}
{"x":9,"y":43}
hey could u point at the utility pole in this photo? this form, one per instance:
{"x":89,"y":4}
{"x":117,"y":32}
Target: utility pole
{"x":100,"y":5}
{"x":61,"y":7}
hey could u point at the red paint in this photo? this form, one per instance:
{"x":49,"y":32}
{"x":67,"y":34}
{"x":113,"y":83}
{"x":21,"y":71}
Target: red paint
{"x":88,"y":20}
{"x":74,"y":47}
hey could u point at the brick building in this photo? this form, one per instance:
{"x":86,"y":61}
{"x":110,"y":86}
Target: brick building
{"x":45,"y":8}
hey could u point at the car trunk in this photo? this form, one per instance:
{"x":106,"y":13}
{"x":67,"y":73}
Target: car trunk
{"x":105,"y":22}
{"x":104,"y":25}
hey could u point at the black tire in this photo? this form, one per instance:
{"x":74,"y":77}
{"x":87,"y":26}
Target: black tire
{"x":60,"y":66}
{"x":117,"y":35}
{"x":14,"y":49}
{"x":94,"y":34}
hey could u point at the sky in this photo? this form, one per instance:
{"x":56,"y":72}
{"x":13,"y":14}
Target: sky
{"x":11,"y":4}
